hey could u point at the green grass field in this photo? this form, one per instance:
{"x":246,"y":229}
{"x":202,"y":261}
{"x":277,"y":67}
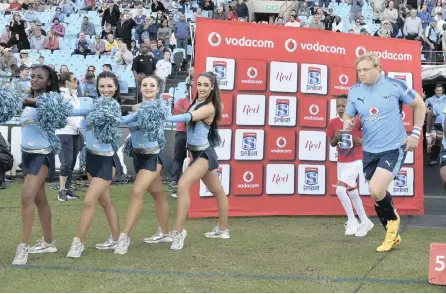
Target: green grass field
{"x":267,"y":254}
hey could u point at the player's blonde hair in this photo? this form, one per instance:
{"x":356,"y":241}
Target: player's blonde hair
{"x":371,"y":57}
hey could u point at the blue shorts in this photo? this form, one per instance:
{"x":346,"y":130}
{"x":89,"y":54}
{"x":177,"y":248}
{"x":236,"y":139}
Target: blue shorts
{"x":391,"y":160}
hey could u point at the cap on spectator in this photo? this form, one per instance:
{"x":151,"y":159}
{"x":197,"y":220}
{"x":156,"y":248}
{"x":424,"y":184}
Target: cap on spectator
{"x":24,"y":51}
{"x":386,"y":21}
{"x":8,"y":50}
{"x":98,"y":37}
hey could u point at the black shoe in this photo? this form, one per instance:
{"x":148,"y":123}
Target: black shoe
{"x":2,"y":185}
{"x":71,"y":195}
{"x":62,"y":195}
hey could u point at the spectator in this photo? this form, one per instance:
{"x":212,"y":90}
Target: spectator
{"x":63,"y":68}
{"x":25,"y":4}
{"x":6,"y":161}
{"x":111,"y":16}
{"x":242,"y":10}
{"x":164,"y":70}
{"x":357,"y":26}
{"x":52,"y":41}
{"x":17,"y":44}
{"x":220,"y":14}
{"x":143,"y":64}
{"x":157,"y":6}
{"x":438,"y":9}
{"x":110,"y":44}
{"x":6,"y":35}
{"x":140,"y":17}
{"x":15,"y":6}
{"x":88,"y":27}
{"x":133,"y":48}
{"x":25,"y":59}
{"x":107,"y":68}
{"x":186,"y":7}
{"x":102,"y":9}
{"x":292,"y":22}
{"x":82,"y":46}
{"x":8,"y":63}
{"x":59,"y":15}
{"x":329,"y":19}
{"x":17,"y":27}
{"x":88,"y":86}
{"x":97,"y":47}
{"x":209,"y":7}
{"x":425,"y":16}
{"x":337,"y":25}
{"x":160,"y":17}
{"x":171,"y":22}
{"x":176,"y":14}
{"x":378,"y":9}
{"x":31,"y":14}
{"x":36,"y":26}
{"x":232,"y":14}
{"x":157,"y":54}
{"x":182,"y":32}
{"x":316,"y":24}
{"x":58,"y":28}
{"x":24,"y":83}
{"x":160,"y":44}
{"x":139,"y":6}
{"x":164,"y":33}
{"x":124,"y":29}
{"x":355,"y":8}
{"x":37,"y":41}
{"x":304,"y":10}
{"x":391,"y":14}
{"x":41,"y":60}
{"x":106,"y":31}
{"x":413,"y":27}
{"x":88,"y":5}
{"x":440,"y":22}
{"x":67,"y":6}
{"x":385,"y":30}
{"x":123,"y":57}
{"x":432,"y":41}
{"x":2,"y":49}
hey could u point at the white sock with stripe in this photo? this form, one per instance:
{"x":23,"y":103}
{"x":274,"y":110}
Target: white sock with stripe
{"x":341,"y":192}
{"x":357,"y":203}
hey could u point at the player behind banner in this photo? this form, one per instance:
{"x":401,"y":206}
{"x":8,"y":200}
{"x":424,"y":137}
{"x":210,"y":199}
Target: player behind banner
{"x":349,"y":166}
{"x":379,"y":100}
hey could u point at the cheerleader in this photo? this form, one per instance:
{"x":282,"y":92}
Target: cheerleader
{"x":36,"y":149}
{"x":147,"y":141}
{"x":101,"y":131}
{"x":202,"y":136}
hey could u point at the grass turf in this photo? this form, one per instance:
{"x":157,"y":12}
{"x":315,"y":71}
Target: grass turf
{"x":267,"y":254}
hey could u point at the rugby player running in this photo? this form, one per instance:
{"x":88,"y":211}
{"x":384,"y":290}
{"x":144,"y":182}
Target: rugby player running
{"x":379,"y":100}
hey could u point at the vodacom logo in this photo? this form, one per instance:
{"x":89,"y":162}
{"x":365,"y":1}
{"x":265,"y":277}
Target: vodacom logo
{"x":403,"y":115}
{"x":361,"y":50}
{"x":281,"y":142}
{"x":314,"y":109}
{"x":290,"y":45}
{"x":343,"y":79}
{"x":252,"y":72}
{"x":214,"y":39}
{"x":248,"y":177}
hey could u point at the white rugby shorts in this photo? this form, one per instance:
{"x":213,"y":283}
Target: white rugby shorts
{"x":348,"y":172}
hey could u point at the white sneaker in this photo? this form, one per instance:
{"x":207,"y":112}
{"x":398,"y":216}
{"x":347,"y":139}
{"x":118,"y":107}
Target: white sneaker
{"x":178,"y":240}
{"x":159,"y":237}
{"x":123,"y":244}
{"x":21,"y":255}
{"x":217,"y":233}
{"x":174,"y":195}
{"x":351,"y":227}
{"x":110,"y":244}
{"x":76,"y":248}
{"x":42,"y":247}
{"x":364,"y":228}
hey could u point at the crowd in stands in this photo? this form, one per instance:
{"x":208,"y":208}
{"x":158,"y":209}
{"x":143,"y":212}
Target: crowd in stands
{"x":118,"y":33}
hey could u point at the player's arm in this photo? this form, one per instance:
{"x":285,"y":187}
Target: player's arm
{"x":332,"y":134}
{"x":419,"y":113}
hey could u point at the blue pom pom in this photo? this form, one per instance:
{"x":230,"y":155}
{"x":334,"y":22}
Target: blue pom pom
{"x":10,"y":104}
{"x":52,"y":111}
{"x":128,"y":147}
{"x":104,"y":119}
{"x":151,"y":119}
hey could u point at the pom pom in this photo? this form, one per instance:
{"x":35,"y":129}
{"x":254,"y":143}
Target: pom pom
{"x":151,"y":119}
{"x":128,"y":147}
{"x":104,"y":119}
{"x":52,"y":111}
{"x":10,"y":104}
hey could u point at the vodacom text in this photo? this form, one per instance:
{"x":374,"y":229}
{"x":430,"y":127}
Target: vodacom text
{"x":246,"y":42}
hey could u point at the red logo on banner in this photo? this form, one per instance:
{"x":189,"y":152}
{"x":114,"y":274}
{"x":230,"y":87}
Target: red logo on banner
{"x":313,"y":112}
{"x":227,"y":109}
{"x":407,"y":116}
{"x":341,"y":79}
{"x":248,"y":179}
{"x":251,"y":75}
{"x":281,"y":145}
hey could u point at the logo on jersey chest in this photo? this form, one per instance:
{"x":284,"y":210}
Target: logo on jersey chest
{"x":360,"y":99}
{"x":373,"y":111}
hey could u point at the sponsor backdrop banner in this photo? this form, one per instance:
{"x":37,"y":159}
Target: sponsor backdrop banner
{"x":279,"y":86}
